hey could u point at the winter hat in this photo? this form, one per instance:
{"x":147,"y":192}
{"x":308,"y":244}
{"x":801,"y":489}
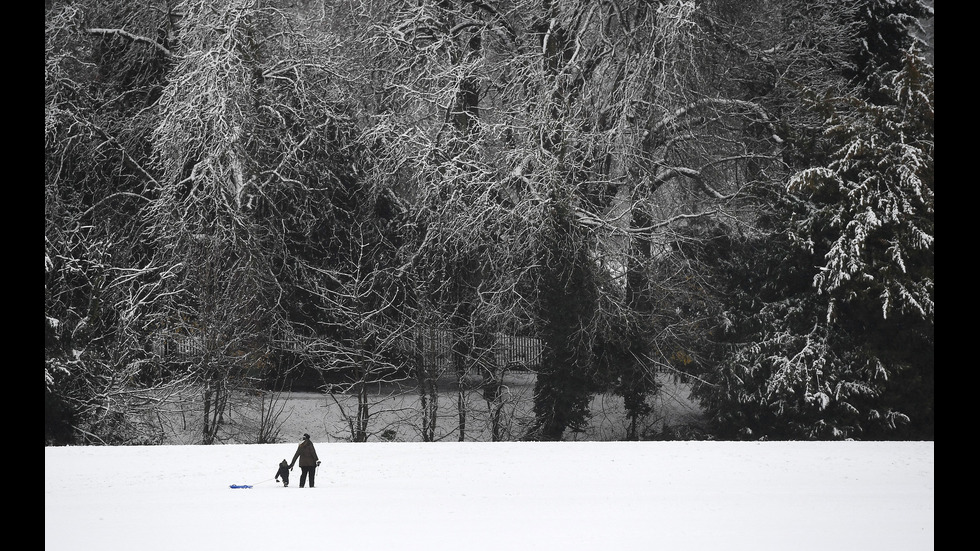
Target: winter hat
{"x":306,"y":436}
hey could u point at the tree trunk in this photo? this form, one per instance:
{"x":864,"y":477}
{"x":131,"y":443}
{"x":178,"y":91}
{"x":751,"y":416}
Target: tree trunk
{"x":461,"y":350}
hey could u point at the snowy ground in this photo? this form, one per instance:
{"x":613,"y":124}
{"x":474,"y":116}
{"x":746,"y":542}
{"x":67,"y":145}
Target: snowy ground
{"x":496,"y":496}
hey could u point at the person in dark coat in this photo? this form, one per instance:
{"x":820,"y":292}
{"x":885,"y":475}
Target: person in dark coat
{"x":308,"y":461}
{"x":283,"y":473}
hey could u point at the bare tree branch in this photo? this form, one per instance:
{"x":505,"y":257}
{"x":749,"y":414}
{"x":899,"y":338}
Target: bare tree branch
{"x":132,"y":37}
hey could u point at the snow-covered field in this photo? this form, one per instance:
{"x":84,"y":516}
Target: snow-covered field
{"x":496,"y":496}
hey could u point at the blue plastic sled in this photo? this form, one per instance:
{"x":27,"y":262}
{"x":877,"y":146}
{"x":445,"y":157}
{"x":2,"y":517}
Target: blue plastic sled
{"x":239,"y":486}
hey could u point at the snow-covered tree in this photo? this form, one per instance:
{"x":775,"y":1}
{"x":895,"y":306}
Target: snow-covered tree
{"x":830,"y":327}
{"x":873,"y":223}
{"x":198,"y":181}
{"x":886,"y":30}
{"x":104,"y":68}
{"x":272,"y":235}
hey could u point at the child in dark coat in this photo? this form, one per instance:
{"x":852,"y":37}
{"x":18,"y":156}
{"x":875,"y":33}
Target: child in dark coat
{"x":283,"y":472}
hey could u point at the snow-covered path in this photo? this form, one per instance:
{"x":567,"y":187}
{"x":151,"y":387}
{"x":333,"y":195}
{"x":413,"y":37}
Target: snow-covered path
{"x":496,"y":496}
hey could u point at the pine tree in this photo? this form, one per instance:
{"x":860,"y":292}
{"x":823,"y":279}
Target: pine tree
{"x":886,"y":29}
{"x":829,"y":320}
{"x":871,"y":225}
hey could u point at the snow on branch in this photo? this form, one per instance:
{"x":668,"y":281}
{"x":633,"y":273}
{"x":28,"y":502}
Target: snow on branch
{"x":692,"y":174}
{"x":706,"y":102}
{"x":133,"y":38}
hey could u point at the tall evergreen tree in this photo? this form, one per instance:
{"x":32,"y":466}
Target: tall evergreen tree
{"x":831,"y":325}
{"x":871,"y":226}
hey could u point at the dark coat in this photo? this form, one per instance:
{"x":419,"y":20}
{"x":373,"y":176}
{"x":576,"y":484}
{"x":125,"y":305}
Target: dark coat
{"x":283,"y":471}
{"x":306,"y":454}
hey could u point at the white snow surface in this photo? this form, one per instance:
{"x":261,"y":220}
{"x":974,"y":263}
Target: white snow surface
{"x":495,"y":496}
